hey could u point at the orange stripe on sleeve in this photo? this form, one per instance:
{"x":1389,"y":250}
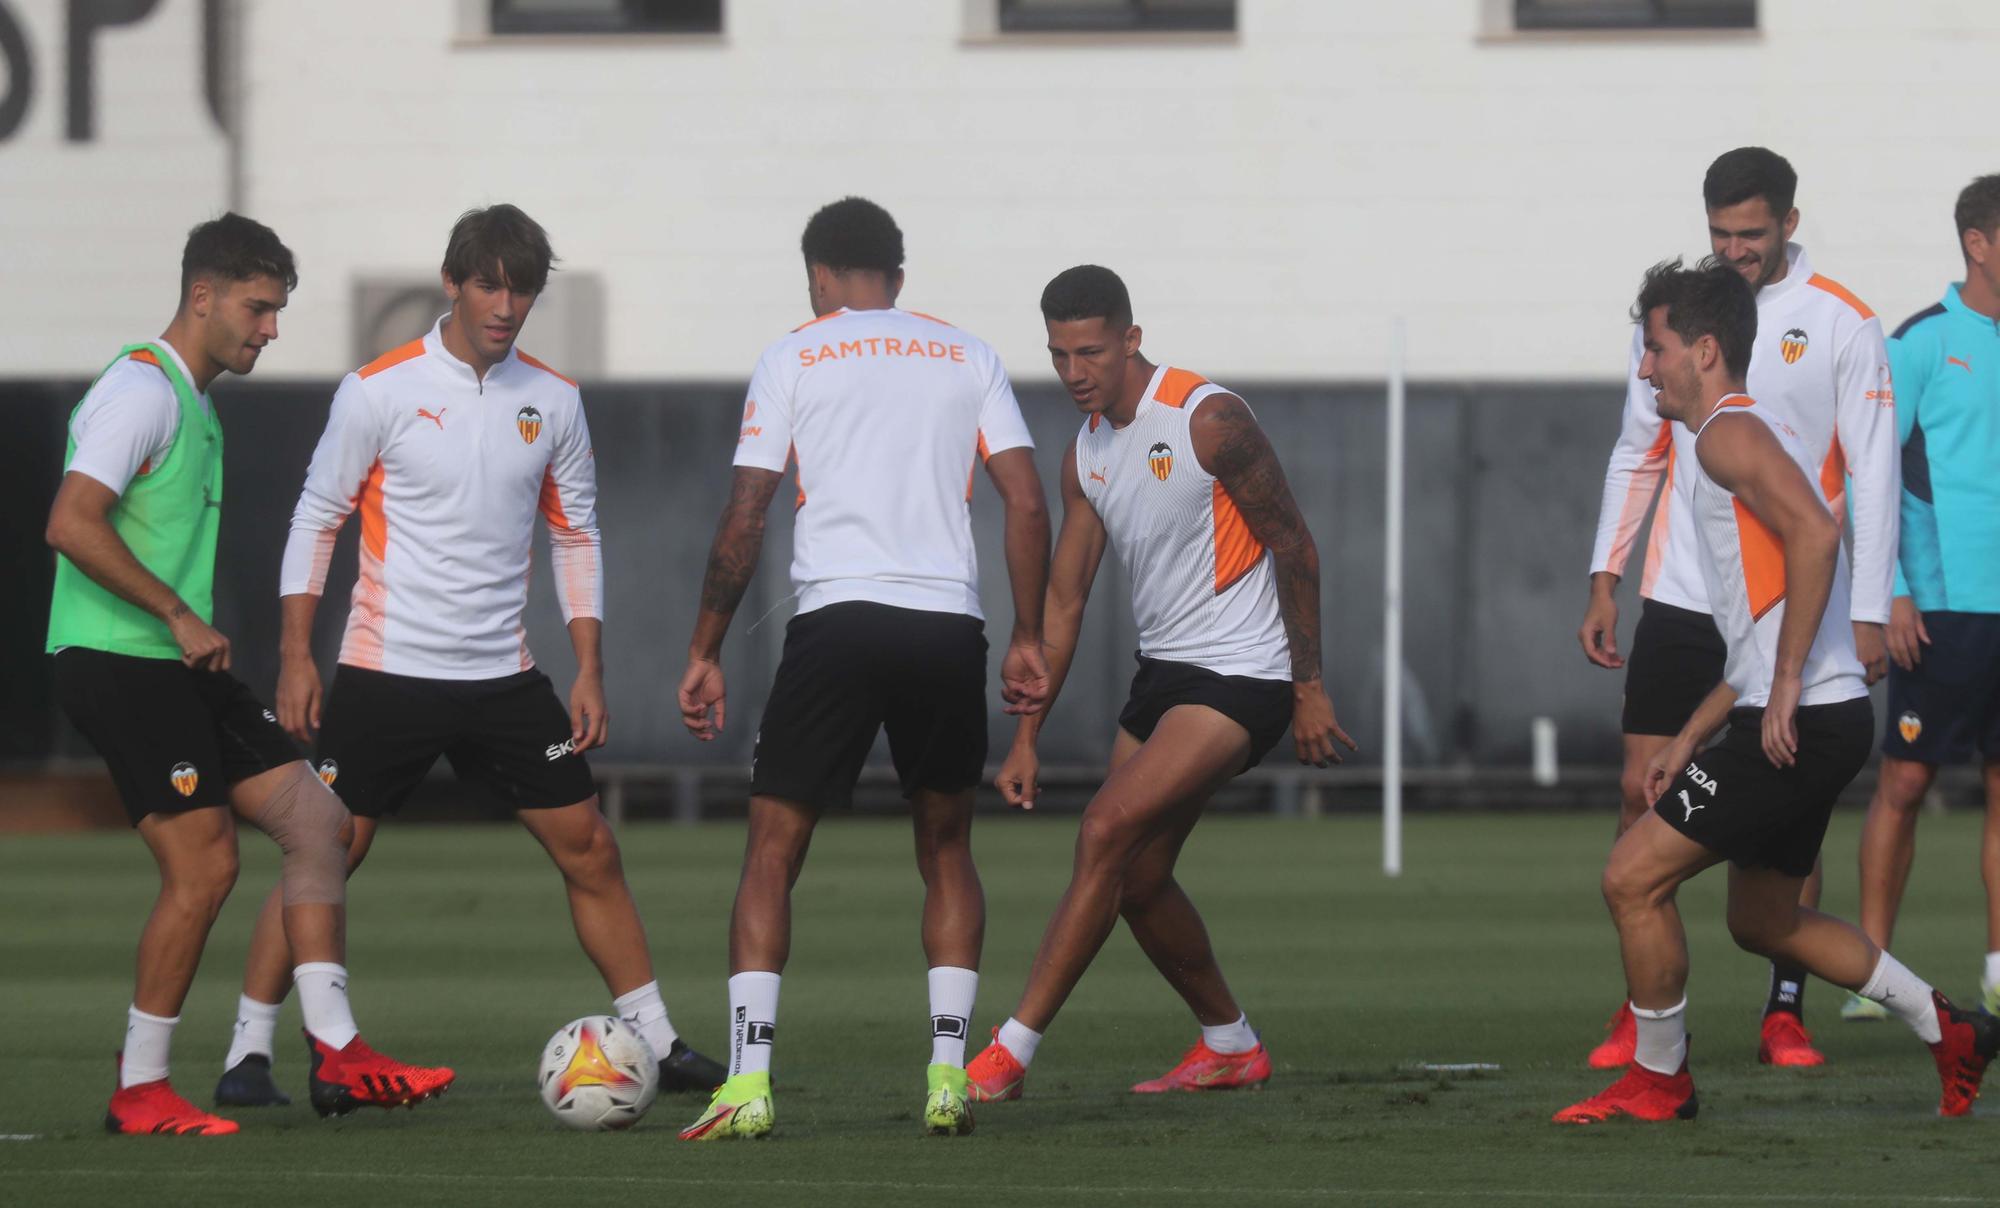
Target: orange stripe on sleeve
{"x":1236,"y":550}
{"x":1763,"y":562}
{"x":1176,"y":385}
{"x":374,"y":526}
{"x":832,"y":314}
{"x":1638,"y":499}
{"x":392,"y":358}
{"x":1833,"y":479}
{"x":1840,"y":291}
{"x":144,"y":354}
{"x":798,"y":475}
{"x":363,"y":646}
{"x":551,"y":502}
{"x":528,"y":360}
{"x":933,"y":318}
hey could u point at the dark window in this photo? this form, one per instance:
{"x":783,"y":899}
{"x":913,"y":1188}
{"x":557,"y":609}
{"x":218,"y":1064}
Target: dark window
{"x":1087,"y":16}
{"x":1635,"y":14}
{"x":607,"y":16}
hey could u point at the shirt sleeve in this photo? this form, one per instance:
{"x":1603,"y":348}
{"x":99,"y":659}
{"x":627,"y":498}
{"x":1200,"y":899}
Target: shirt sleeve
{"x":125,"y":426}
{"x":765,"y":442}
{"x":1000,"y":424}
{"x":1865,"y":425}
{"x":347,"y":452}
{"x":1632,"y":479}
{"x":1919,"y":561}
{"x":569,"y":506}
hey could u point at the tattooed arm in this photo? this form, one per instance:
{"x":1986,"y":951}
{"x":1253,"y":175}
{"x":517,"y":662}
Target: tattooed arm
{"x":1230,"y":445}
{"x":732,"y":560}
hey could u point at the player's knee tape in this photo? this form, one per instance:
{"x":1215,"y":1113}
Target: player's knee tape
{"x":311,"y":828}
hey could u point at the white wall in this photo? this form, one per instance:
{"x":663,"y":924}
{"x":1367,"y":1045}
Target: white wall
{"x":1271,"y":197}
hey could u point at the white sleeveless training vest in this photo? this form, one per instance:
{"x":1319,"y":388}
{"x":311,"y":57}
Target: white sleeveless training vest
{"x":1203,"y":591}
{"x":1743,"y":568}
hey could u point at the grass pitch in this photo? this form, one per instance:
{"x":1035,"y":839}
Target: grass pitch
{"x":1493,"y":947}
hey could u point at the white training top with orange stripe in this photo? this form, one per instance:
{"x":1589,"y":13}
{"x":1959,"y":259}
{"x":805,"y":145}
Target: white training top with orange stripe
{"x":448,"y":473}
{"x":1743,"y":573}
{"x":886,"y":413}
{"x":1203,"y":591}
{"x":1820,"y":365}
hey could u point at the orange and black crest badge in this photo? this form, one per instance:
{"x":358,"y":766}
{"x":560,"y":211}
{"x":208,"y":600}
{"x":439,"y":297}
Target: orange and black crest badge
{"x":184,"y":778}
{"x":329,"y":771}
{"x":1909,"y":725}
{"x":1793,"y":346}
{"x":529,"y":421}
{"x":1161,"y":458}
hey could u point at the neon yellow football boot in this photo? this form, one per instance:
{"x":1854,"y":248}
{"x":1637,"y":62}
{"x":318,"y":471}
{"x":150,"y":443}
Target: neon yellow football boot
{"x":740,"y":1111}
{"x":948,"y":1108}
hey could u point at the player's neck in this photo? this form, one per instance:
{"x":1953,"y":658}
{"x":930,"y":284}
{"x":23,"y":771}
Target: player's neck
{"x":456,"y":344}
{"x":1717,"y":393}
{"x":1138,"y":373}
{"x":1979,"y":295}
{"x":201,"y":368}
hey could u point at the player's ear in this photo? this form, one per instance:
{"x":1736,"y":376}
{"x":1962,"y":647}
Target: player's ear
{"x":1132,"y":337}
{"x":1790,"y":224}
{"x":450,"y":286}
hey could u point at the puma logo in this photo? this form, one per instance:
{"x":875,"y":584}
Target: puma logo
{"x":437,"y":419}
{"x":1691,"y":806}
{"x":1098,"y":476}
{"x":1965,"y":365}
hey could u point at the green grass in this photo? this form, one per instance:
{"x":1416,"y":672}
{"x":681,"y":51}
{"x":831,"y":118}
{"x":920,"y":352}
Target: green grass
{"x":1493,"y":947}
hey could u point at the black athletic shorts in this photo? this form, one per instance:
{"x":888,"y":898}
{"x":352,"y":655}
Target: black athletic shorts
{"x":1949,"y":707}
{"x":1676,"y":659}
{"x":1733,"y":801}
{"x":1261,"y":706}
{"x":854,"y":668}
{"x":174,"y":739}
{"x":381,"y":733}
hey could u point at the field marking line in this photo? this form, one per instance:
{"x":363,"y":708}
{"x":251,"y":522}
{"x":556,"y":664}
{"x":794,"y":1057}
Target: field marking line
{"x":20,"y":1136}
{"x":1370,"y":1193}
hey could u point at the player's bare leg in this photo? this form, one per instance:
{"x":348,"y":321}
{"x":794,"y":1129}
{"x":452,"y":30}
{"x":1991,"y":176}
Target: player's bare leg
{"x":760,"y":924}
{"x":196,"y":854}
{"x":1989,"y":872}
{"x":1632,"y":800}
{"x":954,"y":930}
{"x":1888,"y":851}
{"x":585,"y":851}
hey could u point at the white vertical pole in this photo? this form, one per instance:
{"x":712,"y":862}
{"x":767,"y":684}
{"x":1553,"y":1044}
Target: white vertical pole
{"x":1392,"y":619}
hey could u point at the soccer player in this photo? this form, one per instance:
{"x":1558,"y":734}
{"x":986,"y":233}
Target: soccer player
{"x":1795,"y":701}
{"x":1818,"y":365}
{"x":1174,"y":472}
{"x":144,"y":675}
{"x":448,"y":447}
{"x":886,"y":413}
{"x":1944,"y":631}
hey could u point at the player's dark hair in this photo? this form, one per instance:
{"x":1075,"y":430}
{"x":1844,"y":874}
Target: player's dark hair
{"x":1088,"y":291}
{"x":499,"y":239}
{"x":1710,"y":299}
{"x":1737,"y":176}
{"x":1978,"y":207}
{"x":235,"y":248}
{"x":853,"y":233}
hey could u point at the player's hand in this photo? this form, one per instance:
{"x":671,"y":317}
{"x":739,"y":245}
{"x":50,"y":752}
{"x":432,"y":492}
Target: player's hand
{"x":298,"y":697}
{"x":1906,"y":636}
{"x":1024,"y":678}
{"x":1315,"y":730}
{"x":1781,"y":731}
{"x":1666,"y":765}
{"x":702,"y":689}
{"x":1870,"y":648}
{"x":202,"y":647}
{"x":1599,"y":634}
{"x":1017,"y":779}
{"x":589,"y":717}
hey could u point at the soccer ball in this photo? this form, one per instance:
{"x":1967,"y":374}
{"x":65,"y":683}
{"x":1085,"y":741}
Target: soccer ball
{"x":599,"y":1074}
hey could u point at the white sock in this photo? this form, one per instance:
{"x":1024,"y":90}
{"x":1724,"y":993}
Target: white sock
{"x":1663,"y":1038}
{"x":952,"y":992}
{"x":1993,"y":968}
{"x":1020,"y":1040}
{"x":323,"y":1000}
{"x":1906,"y":995}
{"x":1230,"y":1038}
{"x":646,"y":1011}
{"x":256,"y":1027}
{"x":753,"y":1022}
{"x":147,"y":1039}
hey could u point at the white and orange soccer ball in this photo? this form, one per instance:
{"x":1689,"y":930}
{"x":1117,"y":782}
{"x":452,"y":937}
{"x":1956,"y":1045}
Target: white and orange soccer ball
{"x":598,"y":1074}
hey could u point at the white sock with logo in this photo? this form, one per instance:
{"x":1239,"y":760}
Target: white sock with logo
{"x":256,"y":1028}
{"x":1663,"y":1037}
{"x":147,"y":1040}
{"x":323,"y":1001}
{"x":1020,"y":1040}
{"x":1230,"y":1039}
{"x":1993,"y":968}
{"x":753,"y":1022}
{"x":953,"y":990}
{"x":1906,"y":995}
{"x":646,"y":1011}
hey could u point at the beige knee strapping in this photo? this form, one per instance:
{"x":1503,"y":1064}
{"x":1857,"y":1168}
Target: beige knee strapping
{"x":310,"y":826}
